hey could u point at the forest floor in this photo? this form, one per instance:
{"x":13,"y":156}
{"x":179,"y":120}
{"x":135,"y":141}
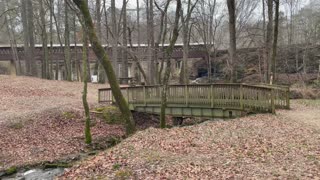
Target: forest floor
{"x":264,"y":146}
{"x":42,"y":121}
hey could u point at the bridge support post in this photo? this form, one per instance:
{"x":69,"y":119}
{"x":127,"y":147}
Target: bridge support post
{"x":211,"y":95}
{"x":288,"y":98}
{"x":241,"y":97}
{"x":273,"y":109}
{"x":144,"y":96}
{"x":187,"y":95}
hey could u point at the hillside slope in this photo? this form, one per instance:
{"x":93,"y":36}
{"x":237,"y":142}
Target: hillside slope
{"x":285,"y":146}
{"x":23,"y":97}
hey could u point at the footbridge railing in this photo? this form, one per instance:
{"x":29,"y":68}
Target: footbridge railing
{"x":204,"y":97}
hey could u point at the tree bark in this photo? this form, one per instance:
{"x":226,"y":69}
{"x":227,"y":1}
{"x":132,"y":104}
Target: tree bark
{"x":151,"y":45}
{"x":51,"y":38}
{"x":114,"y":39}
{"x":44,"y":35}
{"x":124,"y":67}
{"x":275,"y":42}
{"x":232,"y":37}
{"x":87,"y":130}
{"x":67,"y":43}
{"x":33,"y":65}
{"x":104,"y":59}
{"x":269,"y":39}
{"x":169,"y":50}
{"x":185,"y":21}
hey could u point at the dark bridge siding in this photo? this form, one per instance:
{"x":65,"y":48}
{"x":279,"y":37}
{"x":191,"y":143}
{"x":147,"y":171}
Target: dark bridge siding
{"x":209,"y":100}
{"x":196,"y":51}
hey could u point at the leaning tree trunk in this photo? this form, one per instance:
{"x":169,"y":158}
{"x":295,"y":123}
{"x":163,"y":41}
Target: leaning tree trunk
{"x":104,"y":60}
{"x":166,"y":77}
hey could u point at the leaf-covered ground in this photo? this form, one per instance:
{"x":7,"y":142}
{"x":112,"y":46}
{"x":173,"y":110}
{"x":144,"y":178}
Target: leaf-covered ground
{"x":48,"y":138}
{"x":285,"y":146}
{"x":25,"y":97}
{"x":42,"y":120}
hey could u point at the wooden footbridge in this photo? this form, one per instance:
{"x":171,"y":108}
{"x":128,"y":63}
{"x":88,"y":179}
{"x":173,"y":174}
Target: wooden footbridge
{"x":205,"y":100}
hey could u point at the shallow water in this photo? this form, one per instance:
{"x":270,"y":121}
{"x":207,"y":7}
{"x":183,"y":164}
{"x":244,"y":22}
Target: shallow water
{"x":36,"y":174}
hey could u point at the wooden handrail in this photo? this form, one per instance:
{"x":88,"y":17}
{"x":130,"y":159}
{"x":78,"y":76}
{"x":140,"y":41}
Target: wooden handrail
{"x":256,"y":98}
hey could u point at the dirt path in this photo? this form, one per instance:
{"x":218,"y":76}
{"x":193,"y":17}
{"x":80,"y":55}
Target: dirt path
{"x":306,"y":112}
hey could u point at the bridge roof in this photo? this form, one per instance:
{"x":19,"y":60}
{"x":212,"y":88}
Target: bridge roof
{"x":104,"y":45}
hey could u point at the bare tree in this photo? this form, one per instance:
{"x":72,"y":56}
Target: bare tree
{"x":268,"y":45}
{"x":275,"y":42}
{"x":232,"y":37}
{"x":114,"y":38}
{"x":15,"y":63}
{"x":151,"y":44}
{"x":124,"y":66}
{"x":28,"y":34}
{"x":161,"y":36}
{"x":45,"y":61}
{"x":104,"y":59}
{"x":67,"y":42}
{"x":207,"y":22}
{"x":169,"y":50}
{"x":185,"y":21}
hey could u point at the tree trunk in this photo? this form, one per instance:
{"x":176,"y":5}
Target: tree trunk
{"x":104,"y":59}
{"x":136,"y":59}
{"x":275,"y":42}
{"x":232,"y":37}
{"x":151,"y":44}
{"x":25,"y":36}
{"x":56,"y":20}
{"x":51,"y":38}
{"x":124,"y":67}
{"x":114,"y":39}
{"x":166,"y":77}
{"x":33,"y":65}
{"x":136,"y":73}
{"x":100,"y":71}
{"x":161,"y":35}
{"x":67,"y":43}
{"x":87,"y":130}
{"x":269,"y":38}
{"x":45,"y":61}
{"x":15,"y":62}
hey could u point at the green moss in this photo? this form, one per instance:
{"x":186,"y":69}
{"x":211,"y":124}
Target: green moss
{"x":116,"y":166}
{"x":16,"y":125}
{"x":57,"y":165}
{"x":123,"y":174}
{"x":112,"y":115}
{"x":99,"y":109}
{"x":11,"y":170}
{"x":69,"y":115}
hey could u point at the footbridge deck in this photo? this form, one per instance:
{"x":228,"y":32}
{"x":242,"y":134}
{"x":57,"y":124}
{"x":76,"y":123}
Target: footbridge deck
{"x":205,"y":100}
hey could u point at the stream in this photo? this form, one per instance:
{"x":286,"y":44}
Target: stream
{"x":36,"y":174}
